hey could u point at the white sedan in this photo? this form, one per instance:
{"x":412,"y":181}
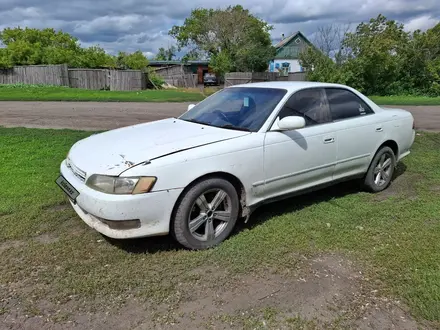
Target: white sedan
{"x":195,"y":175}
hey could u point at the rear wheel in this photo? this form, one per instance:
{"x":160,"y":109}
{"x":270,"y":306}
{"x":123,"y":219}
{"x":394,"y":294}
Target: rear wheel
{"x":381,"y":170}
{"x":206,"y":215}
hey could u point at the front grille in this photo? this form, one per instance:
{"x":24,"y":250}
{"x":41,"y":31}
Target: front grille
{"x":80,"y":174}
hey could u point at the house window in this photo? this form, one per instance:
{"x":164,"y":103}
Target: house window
{"x":297,"y":41}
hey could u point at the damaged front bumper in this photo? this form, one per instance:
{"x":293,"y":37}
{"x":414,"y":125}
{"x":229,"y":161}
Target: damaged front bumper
{"x":122,"y":216}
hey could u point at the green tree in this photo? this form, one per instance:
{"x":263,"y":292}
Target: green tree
{"x":232,"y":38}
{"x":377,"y":54}
{"x":422,"y":65}
{"x":192,"y":55}
{"x":94,"y":57}
{"x":318,"y":66}
{"x":381,"y":58}
{"x":134,"y":61}
{"x":221,"y":62}
{"x":166,"y":54}
{"x":33,"y":46}
{"x":5,"y":60}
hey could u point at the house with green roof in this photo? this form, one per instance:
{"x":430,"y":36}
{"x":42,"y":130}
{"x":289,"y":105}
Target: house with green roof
{"x":287,"y":54}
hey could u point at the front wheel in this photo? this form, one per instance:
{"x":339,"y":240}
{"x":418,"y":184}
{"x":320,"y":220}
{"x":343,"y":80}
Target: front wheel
{"x":206,"y":215}
{"x":381,"y":170}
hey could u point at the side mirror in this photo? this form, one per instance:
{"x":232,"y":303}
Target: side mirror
{"x":190,"y":106}
{"x":291,"y":122}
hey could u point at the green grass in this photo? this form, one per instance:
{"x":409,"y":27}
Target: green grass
{"x":406,"y":100}
{"x":49,"y":254}
{"x":54,"y":93}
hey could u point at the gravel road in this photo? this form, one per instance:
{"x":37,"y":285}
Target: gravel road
{"x":108,"y":115}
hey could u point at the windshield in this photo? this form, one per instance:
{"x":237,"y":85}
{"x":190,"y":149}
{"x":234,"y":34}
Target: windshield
{"x":245,"y":108}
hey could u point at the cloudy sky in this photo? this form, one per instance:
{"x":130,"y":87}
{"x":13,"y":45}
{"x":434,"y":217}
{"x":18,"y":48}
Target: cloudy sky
{"x":129,"y":25}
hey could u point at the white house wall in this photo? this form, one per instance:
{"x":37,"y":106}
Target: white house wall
{"x":294,"y":65}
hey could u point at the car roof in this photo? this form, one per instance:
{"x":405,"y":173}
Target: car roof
{"x":291,"y":86}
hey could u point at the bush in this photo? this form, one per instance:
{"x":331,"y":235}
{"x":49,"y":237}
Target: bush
{"x":155,"y":79}
{"x":380,"y":58}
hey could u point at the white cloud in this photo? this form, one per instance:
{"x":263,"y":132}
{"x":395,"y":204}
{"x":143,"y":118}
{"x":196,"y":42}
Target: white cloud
{"x":421,"y":23}
{"x":130,"y":25}
{"x":115,"y":23}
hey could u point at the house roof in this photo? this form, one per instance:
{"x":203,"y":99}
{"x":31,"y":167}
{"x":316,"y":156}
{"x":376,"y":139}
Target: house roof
{"x":285,"y":41}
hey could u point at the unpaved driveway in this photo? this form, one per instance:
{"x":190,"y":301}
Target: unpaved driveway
{"x":108,"y":115}
{"x":84,"y":115}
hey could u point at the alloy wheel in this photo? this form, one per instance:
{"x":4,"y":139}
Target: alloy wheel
{"x":382,"y":171}
{"x":209,"y":215}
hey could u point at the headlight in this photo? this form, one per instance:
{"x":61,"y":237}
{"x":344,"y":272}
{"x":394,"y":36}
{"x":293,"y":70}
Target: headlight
{"x":121,"y":186}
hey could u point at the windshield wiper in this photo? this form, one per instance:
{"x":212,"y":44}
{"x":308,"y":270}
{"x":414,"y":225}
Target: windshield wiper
{"x":229,"y":126}
{"x":195,"y":121}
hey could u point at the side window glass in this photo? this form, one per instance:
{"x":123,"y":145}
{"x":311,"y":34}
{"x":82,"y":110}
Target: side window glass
{"x":344,"y":104}
{"x":310,"y":104}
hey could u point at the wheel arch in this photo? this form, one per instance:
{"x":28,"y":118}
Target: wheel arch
{"x":236,"y":182}
{"x":387,"y":143}
{"x":391,"y":144}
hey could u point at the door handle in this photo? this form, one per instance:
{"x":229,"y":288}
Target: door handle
{"x":329,"y":140}
{"x":379,"y":129}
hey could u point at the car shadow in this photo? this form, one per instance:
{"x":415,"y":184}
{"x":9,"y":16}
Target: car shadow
{"x":262,"y":214}
{"x":293,"y":204}
{"x":146,"y":245}
{"x":297,"y":203}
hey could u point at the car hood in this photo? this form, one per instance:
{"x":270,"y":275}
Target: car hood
{"x":114,"y":151}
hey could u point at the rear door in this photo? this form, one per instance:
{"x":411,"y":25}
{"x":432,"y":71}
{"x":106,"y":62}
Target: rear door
{"x":357,"y":130}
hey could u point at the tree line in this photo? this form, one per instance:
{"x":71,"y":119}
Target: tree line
{"x":29,"y":46}
{"x":378,"y":57}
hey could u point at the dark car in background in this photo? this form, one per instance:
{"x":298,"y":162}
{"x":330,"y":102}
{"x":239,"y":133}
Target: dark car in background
{"x":210,"y":79}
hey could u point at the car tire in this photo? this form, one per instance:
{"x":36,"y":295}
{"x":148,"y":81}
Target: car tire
{"x":381,"y":170}
{"x":200,"y":222}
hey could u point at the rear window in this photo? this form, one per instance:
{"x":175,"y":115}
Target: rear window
{"x":345,"y":104}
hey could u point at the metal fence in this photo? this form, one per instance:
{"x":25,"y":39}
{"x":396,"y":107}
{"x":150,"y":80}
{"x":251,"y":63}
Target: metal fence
{"x":237,"y":78}
{"x":60,"y":75}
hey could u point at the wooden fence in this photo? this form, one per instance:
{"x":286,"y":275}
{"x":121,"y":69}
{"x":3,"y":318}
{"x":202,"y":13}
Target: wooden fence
{"x":127,"y":80}
{"x":177,"y":75}
{"x":60,"y":75}
{"x":36,"y":74}
{"x":237,"y":78}
{"x":89,"y":78}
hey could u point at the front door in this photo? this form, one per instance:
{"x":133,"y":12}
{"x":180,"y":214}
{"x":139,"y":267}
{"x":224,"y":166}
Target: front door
{"x":302,"y":158}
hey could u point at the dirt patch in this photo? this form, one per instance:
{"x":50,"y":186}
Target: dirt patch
{"x":11,"y":244}
{"x":328,"y":291}
{"x":46,"y":238}
{"x":60,"y":317}
{"x":56,"y":207}
{"x":435,"y":188}
{"x":403,"y":185}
